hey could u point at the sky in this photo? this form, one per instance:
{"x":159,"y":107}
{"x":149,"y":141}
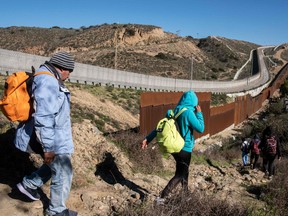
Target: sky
{"x":264,"y":22}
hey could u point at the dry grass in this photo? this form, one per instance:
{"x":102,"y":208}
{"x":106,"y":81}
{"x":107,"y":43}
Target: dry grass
{"x":129,"y":142}
{"x":192,"y":204}
{"x":276,"y":192}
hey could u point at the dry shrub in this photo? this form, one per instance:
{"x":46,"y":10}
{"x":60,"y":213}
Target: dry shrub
{"x":192,"y":204}
{"x":147,"y":161}
{"x":229,"y":151}
{"x":276,"y":193}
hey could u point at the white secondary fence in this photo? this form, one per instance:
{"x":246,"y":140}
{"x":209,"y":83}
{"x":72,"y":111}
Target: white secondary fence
{"x":11,"y":61}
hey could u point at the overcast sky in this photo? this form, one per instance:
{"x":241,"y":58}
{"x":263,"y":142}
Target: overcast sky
{"x":264,"y":22}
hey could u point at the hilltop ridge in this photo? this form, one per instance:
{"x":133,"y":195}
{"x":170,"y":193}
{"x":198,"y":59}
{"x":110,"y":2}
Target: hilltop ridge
{"x":136,"y":48}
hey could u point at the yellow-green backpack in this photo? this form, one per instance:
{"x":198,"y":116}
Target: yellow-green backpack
{"x":168,"y":136}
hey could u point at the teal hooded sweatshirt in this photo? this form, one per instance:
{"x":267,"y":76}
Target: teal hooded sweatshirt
{"x":188,"y":121}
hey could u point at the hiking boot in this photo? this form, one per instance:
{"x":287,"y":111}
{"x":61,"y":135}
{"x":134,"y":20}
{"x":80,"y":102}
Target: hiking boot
{"x":31,"y":193}
{"x":160,"y":201}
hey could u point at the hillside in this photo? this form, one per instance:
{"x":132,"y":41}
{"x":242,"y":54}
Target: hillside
{"x":105,"y":178}
{"x":136,"y":48}
{"x":108,"y":178}
{"x":110,"y":172}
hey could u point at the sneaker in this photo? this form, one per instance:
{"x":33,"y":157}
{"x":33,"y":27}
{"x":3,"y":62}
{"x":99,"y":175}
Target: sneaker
{"x":31,"y":193}
{"x":72,"y":213}
{"x":66,"y":212}
{"x":160,"y":201}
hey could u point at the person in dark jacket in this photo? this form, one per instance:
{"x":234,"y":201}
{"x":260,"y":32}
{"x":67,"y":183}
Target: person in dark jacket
{"x":190,"y":120}
{"x":270,"y":148}
{"x":254,"y":151}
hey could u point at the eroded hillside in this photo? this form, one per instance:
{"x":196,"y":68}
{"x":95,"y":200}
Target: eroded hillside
{"x":136,"y":48}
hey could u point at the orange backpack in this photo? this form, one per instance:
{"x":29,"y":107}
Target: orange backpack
{"x":16,"y":103}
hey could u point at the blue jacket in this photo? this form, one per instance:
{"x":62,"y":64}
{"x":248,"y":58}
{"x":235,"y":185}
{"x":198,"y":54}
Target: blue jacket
{"x":51,"y":119}
{"x":188,"y":121}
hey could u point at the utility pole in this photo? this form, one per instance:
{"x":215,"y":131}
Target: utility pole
{"x":116,"y":39}
{"x":191,"y":70}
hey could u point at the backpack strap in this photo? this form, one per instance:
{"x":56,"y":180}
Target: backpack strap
{"x":43,"y":72}
{"x":179,"y":113}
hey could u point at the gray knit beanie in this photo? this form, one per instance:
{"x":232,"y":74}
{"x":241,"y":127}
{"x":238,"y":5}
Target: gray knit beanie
{"x":63,"y":60}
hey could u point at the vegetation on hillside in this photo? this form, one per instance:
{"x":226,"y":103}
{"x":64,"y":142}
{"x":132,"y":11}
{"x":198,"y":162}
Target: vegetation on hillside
{"x":142,"y":49}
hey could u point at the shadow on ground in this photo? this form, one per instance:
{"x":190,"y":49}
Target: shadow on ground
{"x":110,"y":173}
{"x":14,"y":165}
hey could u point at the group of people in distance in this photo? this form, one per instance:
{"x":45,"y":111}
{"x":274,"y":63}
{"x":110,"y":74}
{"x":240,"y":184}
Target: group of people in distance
{"x":268,"y":147}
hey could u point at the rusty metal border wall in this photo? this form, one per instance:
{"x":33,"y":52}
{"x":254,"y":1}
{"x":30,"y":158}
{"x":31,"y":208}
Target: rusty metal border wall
{"x":153,"y":107}
{"x":221,"y":117}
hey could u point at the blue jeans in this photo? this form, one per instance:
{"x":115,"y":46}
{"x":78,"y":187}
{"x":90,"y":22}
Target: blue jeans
{"x":60,"y":171}
{"x":245,"y":158}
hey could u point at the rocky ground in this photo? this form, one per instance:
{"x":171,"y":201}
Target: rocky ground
{"x":100,"y":196}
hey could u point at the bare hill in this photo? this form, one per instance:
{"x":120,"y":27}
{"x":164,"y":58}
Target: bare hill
{"x":136,"y":48}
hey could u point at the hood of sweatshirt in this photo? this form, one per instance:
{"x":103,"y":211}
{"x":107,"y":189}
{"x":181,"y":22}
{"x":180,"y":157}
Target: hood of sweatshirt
{"x":189,"y":100}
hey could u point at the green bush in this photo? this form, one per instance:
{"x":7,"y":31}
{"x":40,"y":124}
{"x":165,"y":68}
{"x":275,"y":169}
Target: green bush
{"x":284,"y":88}
{"x":218,"y":99}
{"x":276,"y":108}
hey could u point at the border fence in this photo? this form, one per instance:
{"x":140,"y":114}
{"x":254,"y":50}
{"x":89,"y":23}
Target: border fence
{"x":11,"y":61}
{"x":154,"y":105}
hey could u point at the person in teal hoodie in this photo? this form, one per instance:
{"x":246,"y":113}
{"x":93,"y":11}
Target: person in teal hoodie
{"x":190,"y":120}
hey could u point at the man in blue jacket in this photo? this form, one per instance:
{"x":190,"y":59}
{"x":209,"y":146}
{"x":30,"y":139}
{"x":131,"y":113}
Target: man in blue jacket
{"x":49,"y":130}
{"x":190,"y":120}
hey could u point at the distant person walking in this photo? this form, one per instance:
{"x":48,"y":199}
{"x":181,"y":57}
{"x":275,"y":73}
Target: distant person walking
{"x":270,"y":147}
{"x":254,"y":151}
{"x":188,"y":121}
{"x":49,"y":133}
{"x":245,"y":152}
